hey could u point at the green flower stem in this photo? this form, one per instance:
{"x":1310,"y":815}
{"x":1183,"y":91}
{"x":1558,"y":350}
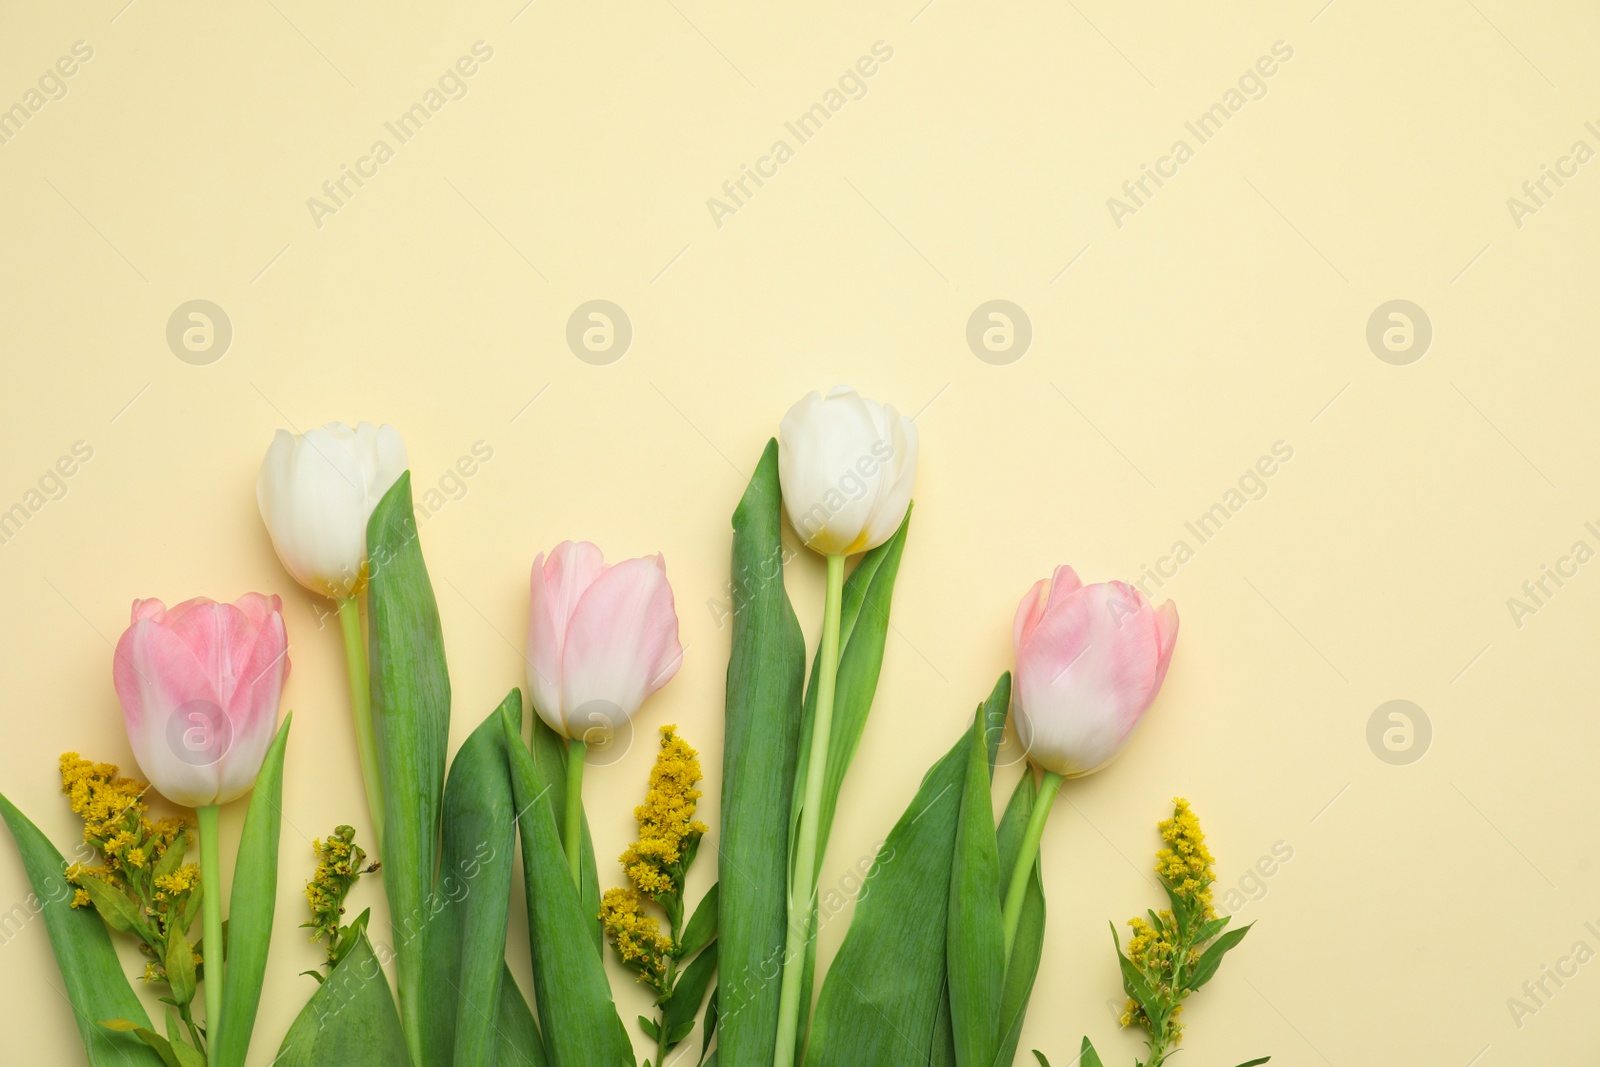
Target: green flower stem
{"x":211,"y":914}
{"x":355,"y":657}
{"x":573,"y":836}
{"x":1012,"y":915}
{"x":804,"y":888}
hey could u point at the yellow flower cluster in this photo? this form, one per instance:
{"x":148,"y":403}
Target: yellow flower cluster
{"x":1186,"y":862}
{"x":339,"y":866}
{"x":113,"y":812}
{"x":667,"y":826}
{"x":636,"y":935}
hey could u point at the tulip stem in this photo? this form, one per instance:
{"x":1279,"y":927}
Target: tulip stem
{"x":355,"y":658}
{"x":211,"y":917}
{"x":803,"y":890}
{"x":572,"y":838}
{"x":1011,"y":917}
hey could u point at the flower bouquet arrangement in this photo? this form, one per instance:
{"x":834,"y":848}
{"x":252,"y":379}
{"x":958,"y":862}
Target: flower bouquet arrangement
{"x":948,"y":932}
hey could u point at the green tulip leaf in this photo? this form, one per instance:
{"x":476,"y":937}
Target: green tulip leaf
{"x":1028,"y":946}
{"x":466,"y":945}
{"x":884,"y":1001}
{"x":250,"y":909}
{"x":349,"y":1021}
{"x":550,"y":757}
{"x":576,"y":1012}
{"x":96,"y":987}
{"x":976,"y":954}
{"x":766,"y":669}
{"x":411,"y":719}
{"x":863,"y":630}
{"x":519,"y":1042}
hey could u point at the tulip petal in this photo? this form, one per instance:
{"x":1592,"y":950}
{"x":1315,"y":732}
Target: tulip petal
{"x":1086,"y":675}
{"x":621,"y":645}
{"x":1029,"y":611}
{"x":556,"y":585}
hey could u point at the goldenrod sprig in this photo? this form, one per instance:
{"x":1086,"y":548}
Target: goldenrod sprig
{"x":1172,"y":953}
{"x":142,"y":887}
{"x":656,"y":865}
{"x":340,"y":864}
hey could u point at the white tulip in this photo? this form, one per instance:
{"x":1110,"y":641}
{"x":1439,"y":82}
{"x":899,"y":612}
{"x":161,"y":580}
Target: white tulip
{"x":316,"y":493}
{"x":846,"y":465}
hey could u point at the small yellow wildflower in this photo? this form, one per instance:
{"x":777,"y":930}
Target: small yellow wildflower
{"x":636,"y":935}
{"x":667,"y":826}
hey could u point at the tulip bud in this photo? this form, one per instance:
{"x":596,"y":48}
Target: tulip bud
{"x":199,"y":686}
{"x":1090,"y":660}
{"x":317,"y":491}
{"x":845,"y":465}
{"x":600,"y":639}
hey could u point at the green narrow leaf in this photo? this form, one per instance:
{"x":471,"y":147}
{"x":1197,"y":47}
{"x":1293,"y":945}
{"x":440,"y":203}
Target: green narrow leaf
{"x":550,"y":757}
{"x":349,"y":1021}
{"x":711,"y":1024}
{"x":766,"y":667}
{"x":113,"y":905}
{"x":520,"y":1044}
{"x":975,"y":950}
{"x":576,"y":1012}
{"x":702,"y":928}
{"x":187,"y":1056}
{"x":883,"y":996}
{"x":179,"y":962}
{"x":684,"y":1004}
{"x":1028,"y":946}
{"x":154,"y":1041}
{"x":96,"y":988}
{"x":1135,"y":983}
{"x":1046,"y":1063}
{"x":1088,"y":1057}
{"x":1211,"y":958}
{"x":1255,"y":1063}
{"x":411,"y":718}
{"x":251,"y":907}
{"x":863,"y":629}
{"x":466,"y":942}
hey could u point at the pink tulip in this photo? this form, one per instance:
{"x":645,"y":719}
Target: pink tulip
{"x":199,"y":686}
{"x":1090,"y":660}
{"x":600,"y":639}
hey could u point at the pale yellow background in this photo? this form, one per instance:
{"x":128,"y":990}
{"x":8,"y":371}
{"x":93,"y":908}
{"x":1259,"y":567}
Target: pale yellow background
{"x":1227,"y":314}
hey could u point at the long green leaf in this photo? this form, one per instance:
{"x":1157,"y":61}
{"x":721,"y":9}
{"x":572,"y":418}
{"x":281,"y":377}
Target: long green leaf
{"x":349,"y":1021}
{"x":96,"y":988}
{"x":766,"y":668}
{"x":884,"y":997}
{"x":466,"y":942}
{"x":689,"y":994}
{"x":520,"y":1044}
{"x":576,"y":1012}
{"x":863,"y":630}
{"x":976,"y":959}
{"x":1028,"y":946}
{"x":550,"y":757}
{"x":251,"y":907}
{"x":411,"y":718}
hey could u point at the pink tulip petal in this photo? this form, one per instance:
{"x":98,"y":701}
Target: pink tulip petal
{"x":556,"y":586}
{"x":622,"y":642}
{"x":1029,"y":612}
